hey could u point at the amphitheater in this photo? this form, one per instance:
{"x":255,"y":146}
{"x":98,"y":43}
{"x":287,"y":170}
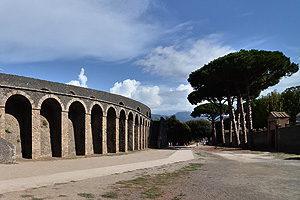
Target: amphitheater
{"x":41,"y":119}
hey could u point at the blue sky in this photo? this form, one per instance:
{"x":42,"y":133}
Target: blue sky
{"x":142,"y":49}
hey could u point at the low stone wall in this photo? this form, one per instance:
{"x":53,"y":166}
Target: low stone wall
{"x":289,"y":139}
{"x":7,"y":152}
{"x":260,"y":140}
{"x":158,"y":134}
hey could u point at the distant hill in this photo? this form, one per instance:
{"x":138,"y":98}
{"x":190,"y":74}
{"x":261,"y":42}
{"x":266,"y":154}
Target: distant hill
{"x":181,"y":116}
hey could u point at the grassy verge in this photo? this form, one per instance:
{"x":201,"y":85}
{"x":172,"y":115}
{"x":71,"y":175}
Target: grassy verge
{"x":151,"y":186}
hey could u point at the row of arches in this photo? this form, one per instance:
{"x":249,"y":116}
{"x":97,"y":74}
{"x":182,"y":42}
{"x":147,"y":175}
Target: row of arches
{"x":50,"y":130}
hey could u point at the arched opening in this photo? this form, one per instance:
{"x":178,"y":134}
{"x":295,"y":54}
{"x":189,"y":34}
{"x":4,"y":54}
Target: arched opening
{"x":96,"y":120}
{"x":121,"y":103}
{"x":45,"y":89}
{"x":19,"y":108}
{"x":130,"y":132}
{"x":122,"y":131}
{"x":51,"y":111}
{"x":138,"y":109}
{"x":136,"y":133}
{"x":77,"y":117}
{"x":111,"y":130}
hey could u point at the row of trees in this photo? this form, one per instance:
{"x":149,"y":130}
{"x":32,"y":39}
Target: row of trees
{"x":288,"y":101}
{"x":235,"y":78}
{"x":180,"y":133}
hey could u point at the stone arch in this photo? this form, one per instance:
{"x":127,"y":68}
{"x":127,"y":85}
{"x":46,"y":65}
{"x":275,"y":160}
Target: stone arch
{"x":52,"y":96}
{"x":136,"y":132}
{"x":77,"y":116}
{"x":15,"y":92}
{"x":74,"y":100}
{"x":97,"y":129}
{"x":130,"y":132}
{"x":51,"y":130}
{"x":19,"y":108}
{"x":92,"y":106}
{"x":122,"y":132}
{"x":45,"y":89}
{"x":111,"y":130}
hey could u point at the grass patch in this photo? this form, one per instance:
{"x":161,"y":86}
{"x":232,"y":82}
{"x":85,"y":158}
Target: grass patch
{"x":7,"y":131}
{"x":285,"y":155}
{"x":34,"y":198}
{"x":26,"y":195}
{"x":110,"y":195}
{"x":149,"y":184}
{"x":55,"y":184}
{"x":277,"y":154}
{"x":152,"y":192}
{"x":86,"y":195}
{"x":257,"y":152}
{"x":62,"y":196}
{"x":202,"y":154}
{"x":45,"y":123}
{"x":179,"y":196}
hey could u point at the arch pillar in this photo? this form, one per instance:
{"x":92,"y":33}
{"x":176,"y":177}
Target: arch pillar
{"x":145,"y":126}
{"x":141,"y":134}
{"x":36,"y":134}
{"x":65,"y":142}
{"x":104,"y":137}
{"x":2,"y":122}
{"x":88,"y":135}
{"x":126,"y":135}
{"x":117,"y":134}
{"x":133,"y":136}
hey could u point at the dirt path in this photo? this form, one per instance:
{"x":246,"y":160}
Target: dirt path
{"x":223,"y":175}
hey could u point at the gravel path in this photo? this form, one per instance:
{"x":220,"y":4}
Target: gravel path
{"x":224,"y":175}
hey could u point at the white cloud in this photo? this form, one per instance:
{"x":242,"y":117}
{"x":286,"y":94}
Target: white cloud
{"x":186,"y":87}
{"x":82,"y":79}
{"x":284,"y":83}
{"x":174,"y":100}
{"x":127,"y":88}
{"x":48,"y":30}
{"x":166,"y":101}
{"x":133,"y":89}
{"x":174,"y":62}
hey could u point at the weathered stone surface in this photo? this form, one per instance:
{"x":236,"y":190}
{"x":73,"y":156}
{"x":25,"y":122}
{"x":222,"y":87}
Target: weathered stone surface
{"x":41,"y":119}
{"x":7,"y":152}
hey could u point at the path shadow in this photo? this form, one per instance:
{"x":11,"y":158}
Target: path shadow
{"x":295,"y":158}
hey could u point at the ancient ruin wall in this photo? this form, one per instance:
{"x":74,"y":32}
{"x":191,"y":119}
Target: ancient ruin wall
{"x":42,"y":119}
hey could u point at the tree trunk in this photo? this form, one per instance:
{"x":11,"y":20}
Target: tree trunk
{"x":222,"y":122}
{"x":230,"y":132}
{"x":243,"y":121}
{"x":250,"y":119}
{"x":234,"y":123}
{"x":249,"y":108}
{"x":214,"y":131}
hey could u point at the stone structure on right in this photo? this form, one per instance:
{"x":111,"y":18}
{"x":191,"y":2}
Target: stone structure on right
{"x":298,"y":118}
{"x":276,"y":120}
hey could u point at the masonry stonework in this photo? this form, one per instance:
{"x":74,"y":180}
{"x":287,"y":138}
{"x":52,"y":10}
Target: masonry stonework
{"x":47,"y":119}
